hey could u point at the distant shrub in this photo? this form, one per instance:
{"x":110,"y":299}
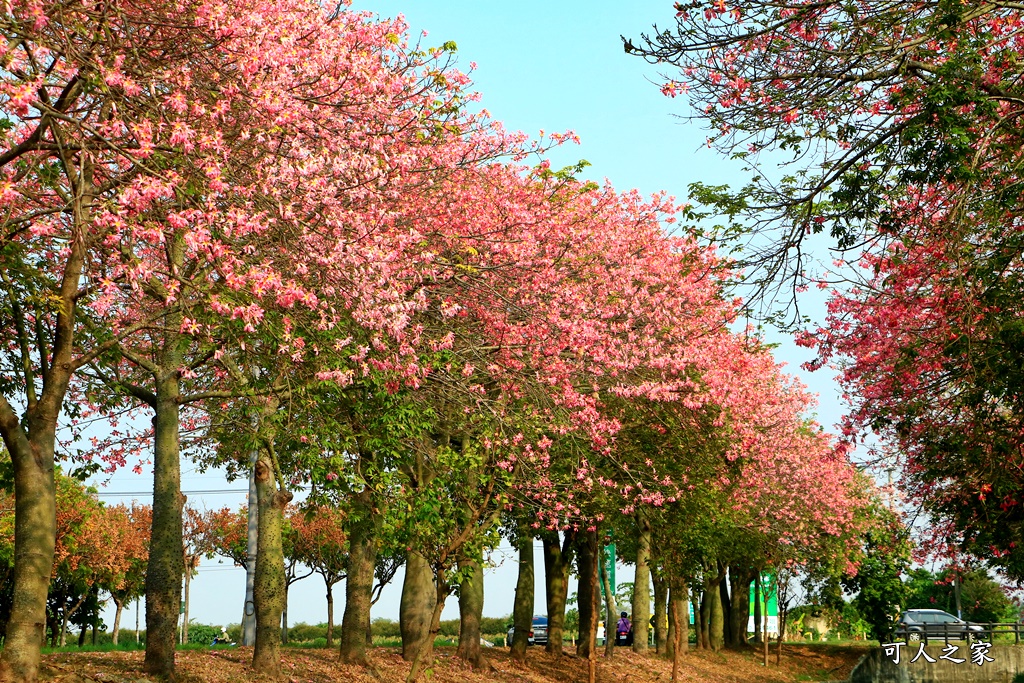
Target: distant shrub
{"x":306,"y":633}
{"x":385,"y":628}
{"x":202,"y":633}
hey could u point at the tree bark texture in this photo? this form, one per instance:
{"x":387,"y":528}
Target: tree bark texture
{"x":166,"y":564}
{"x":739,"y":584}
{"x":359,"y":581}
{"x":660,"y":584}
{"x":522,"y":609}
{"x":557,"y":561}
{"x":588,"y":595}
{"x":471,"y":608}
{"x":418,"y":602}
{"x":269,"y":587}
{"x":716,"y":616}
{"x":642,"y":587}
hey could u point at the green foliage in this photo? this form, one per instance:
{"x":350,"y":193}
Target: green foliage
{"x":202,"y":633}
{"x":981,"y":598}
{"x":881,"y":593}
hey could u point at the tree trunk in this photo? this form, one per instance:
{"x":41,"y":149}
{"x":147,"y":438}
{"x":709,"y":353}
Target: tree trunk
{"x":30,"y":440}
{"x":424,"y":656}
{"x":35,"y":534}
{"x":82,"y":634}
{"x":330,"y":613}
{"x":166,"y":563}
{"x":589,"y":599}
{"x":660,"y":585}
{"x":739,"y":582}
{"x":611,"y":611}
{"x":359,"y":581}
{"x":757,"y":606}
{"x":703,"y":614}
{"x":184,"y":621}
{"x":726,"y":602}
{"x":716,"y":623}
{"x":642,"y":587}
{"x":252,"y":536}
{"x":471,"y":609}
{"x":418,"y":602}
{"x":522,"y":610}
{"x":119,"y":607}
{"x":557,"y":560}
{"x":588,"y":596}
{"x":679,"y":616}
{"x":269,"y":588}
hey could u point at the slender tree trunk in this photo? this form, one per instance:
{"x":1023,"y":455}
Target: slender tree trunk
{"x":679,"y":617}
{"x":119,"y":607}
{"x":660,"y":584}
{"x":284,"y":612}
{"x":418,"y":603}
{"x":188,"y":582}
{"x":359,"y":581}
{"x":557,"y":560}
{"x":522,"y":610}
{"x":471,"y":609}
{"x":610,"y":621}
{"x":757,"y":607}
{"x":642,"y":587}
{"x":726,"y":603}
{"x":330,"y":613}
{"x":269,"y":589}
{"x":166,"y":563}
{"x":82,"y":634}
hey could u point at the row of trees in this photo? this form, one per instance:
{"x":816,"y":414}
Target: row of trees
{"x":899,"y":128}
{"x":276,"y":230}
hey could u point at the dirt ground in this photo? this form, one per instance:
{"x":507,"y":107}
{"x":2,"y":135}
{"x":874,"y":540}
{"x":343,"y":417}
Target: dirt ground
{"x":799,"y":663}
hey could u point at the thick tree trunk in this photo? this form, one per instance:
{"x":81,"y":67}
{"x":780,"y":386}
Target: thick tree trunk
{"x":522,"y":609}
{"x":660,"y":584}
{"x":30,"y":440}
{"x":703,"y":634}
{"x":588,"y":595}
{"x":589,"y":600}
{"x":359,"y":582}
{"x":611,"y":611}
{"x":739,"y":583}
{"x":716,"y":616}
{"x":418,"y":602}
{"x":116,"y":632}
{"x":557,"y":560}
{"x":35,"y":534}
{"x":166,"y":563}
{"x":642,"y":587}
{"x":424,"y":656}
{"x":269,"y":588}
{"x":471,"y":609}
{"x":82,"y":634}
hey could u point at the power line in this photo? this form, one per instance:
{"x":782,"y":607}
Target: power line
{"x":150,"y":493}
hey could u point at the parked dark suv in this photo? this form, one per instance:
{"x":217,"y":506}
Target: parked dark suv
{"x":917,"y":625}
{"x":538,"y":632}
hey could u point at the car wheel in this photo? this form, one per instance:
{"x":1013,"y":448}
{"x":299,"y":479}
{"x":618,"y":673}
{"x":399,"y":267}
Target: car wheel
{"x":914,"y":637}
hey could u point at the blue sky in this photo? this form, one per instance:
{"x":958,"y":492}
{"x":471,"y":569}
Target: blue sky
{"x":549,"y":66}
